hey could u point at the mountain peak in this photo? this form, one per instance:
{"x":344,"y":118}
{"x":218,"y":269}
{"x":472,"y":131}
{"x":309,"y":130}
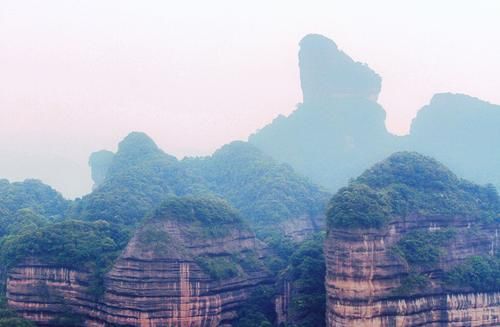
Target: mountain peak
{"x":326,"y":72}
{"x":137,"y":140}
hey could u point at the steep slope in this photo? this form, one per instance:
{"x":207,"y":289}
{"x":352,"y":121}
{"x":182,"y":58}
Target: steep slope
{"x":410,"y":244}
{"x":263,"y":190}
{"x":462,"y":132}
{"x":99,"y":163}
{"x":31,"y":194}
{"x":25,"y":206}
{"x":193,"y":263}
{"x":139,"y":177}
{"x":339,"y":122}
{"x":271,"y":196}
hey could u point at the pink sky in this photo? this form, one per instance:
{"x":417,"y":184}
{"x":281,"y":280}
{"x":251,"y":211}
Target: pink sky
{"x":77,"y":76}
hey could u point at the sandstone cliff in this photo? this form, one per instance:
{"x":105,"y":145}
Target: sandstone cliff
{"x":173,"y":272}
{"x":406,"y":243}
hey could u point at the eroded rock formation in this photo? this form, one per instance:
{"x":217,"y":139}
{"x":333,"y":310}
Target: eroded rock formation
{"x":327,"y":73}
{"x":338,"y":124}
{"x":174,"y":272}
{"x":99,"y":163}
{"x":398,"y":268}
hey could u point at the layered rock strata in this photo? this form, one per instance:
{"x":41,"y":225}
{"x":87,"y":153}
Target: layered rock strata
{"x":395,"y":237}
{"x":161,"y":279}
{"x":363,"y":275}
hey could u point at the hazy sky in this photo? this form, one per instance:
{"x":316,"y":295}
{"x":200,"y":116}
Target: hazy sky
{"x":77,"y":76}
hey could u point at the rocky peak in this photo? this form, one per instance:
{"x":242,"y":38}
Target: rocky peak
{"x":138,"y":147}
{"x":99,"y":163}
{"x":326,"y":72}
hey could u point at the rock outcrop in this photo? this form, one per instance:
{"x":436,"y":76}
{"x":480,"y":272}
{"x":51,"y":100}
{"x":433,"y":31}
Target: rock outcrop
{"x":179,"y":269}
{"x":327,"y":73}
{"x":399,"y":239}
{"x":99,"y":163}
{"x":339,"y":122}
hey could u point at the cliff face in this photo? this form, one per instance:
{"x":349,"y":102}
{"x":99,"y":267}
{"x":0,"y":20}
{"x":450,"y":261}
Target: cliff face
{"x":401,"y":273}
{"x":363,"y":276}
{"x":99,"y":163}
{"x":172,"y":273}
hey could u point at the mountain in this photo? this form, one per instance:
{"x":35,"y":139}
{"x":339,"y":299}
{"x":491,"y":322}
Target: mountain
{"x":410,"y":243}
{"x":339,"y":130}
{"x":139,"y":177}
{"x":25,"y":207}
{"x":339,"y":123}
{"x":270,"y":196}
{"x":462,"y":132}
{"x":99,"y":163}
{"x":263,"y":190}
{"x":194,"y":262}
{"x":28,"y":203}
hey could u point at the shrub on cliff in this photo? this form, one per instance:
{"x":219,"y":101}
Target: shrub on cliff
{"x":481,"y":273}
{"x":421,"y":249}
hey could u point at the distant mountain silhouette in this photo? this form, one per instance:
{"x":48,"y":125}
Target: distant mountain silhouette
{"x":462,"y":132}
{"x":339,"y":129}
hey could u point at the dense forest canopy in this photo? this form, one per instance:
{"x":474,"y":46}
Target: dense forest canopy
{"x":406,"y":183}
{"x":141,"y":176}
{"x":260,"y":188}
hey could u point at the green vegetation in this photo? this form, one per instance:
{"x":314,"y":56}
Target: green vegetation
{"x":358,"y":206}
{"x":9,"y":318}
{"x":264,"y":191}
{"x":72,"y":244}
{"x":206,"y":216}
{"x":32,"y":194}
{"x":259,"y":310}
{"x":154,"y":239}
{"x":139,"y":177}
{"x":218,"y":268}
{"x":421,"y":249}
{"x":248,"y":261}
{"x":414,"y":281}
{"x":480,"y":273}
{"x":410,"y":183}
{"x":306,"y":273}
{"x":28,"y":204}
{"x":302,"y":265}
